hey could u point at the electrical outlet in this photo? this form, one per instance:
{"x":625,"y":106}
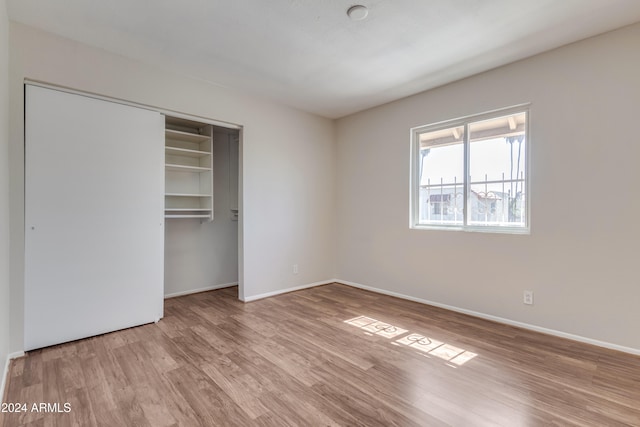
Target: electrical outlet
{"x":528,"y":297}
{"x":295,"y":268}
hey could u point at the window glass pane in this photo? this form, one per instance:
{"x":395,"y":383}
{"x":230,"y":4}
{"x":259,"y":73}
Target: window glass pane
{"x":497,"y":161}
{"x":441,"y":172}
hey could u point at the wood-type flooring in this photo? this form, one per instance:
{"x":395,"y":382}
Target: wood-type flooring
{"x":327,"y":356}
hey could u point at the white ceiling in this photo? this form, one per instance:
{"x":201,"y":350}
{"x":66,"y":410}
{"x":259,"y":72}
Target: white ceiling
{"x":308,"y":54}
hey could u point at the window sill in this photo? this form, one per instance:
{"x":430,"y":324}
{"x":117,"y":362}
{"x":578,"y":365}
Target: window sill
{"x":474,"y":229}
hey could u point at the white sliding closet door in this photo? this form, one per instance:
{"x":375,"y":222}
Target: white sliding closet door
{"x":94,"y":224}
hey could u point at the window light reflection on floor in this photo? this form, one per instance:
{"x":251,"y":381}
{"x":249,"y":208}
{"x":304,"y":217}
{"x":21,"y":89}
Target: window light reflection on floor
{"x":457,"y":356}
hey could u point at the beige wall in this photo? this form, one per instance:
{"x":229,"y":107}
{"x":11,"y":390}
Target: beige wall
{"x":4,"y":189}
{"x":581,"y":255}
{"x":287,"y":158}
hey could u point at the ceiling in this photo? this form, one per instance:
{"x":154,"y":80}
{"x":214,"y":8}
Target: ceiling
{"x":309,"y":55}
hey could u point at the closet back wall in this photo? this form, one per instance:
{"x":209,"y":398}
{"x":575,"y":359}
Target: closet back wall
{"x":286,"y":156}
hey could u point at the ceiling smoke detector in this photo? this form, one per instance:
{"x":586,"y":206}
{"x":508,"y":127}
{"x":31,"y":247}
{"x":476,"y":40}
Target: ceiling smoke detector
{"x":357,"y":12}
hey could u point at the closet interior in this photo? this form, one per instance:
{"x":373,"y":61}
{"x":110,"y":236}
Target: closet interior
{"x":201,"y":206}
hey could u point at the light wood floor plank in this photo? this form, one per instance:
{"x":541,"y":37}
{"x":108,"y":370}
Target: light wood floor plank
{"x":327,"y":356}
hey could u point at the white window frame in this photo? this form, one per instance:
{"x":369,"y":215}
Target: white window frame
{"x":414,"y":198}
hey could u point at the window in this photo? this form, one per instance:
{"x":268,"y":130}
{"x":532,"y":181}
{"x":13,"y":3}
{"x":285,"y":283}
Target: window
{"x":471,"y":173}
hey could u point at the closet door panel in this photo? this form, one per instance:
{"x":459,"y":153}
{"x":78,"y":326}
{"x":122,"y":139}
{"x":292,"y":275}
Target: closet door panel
{"x":94,"y":203}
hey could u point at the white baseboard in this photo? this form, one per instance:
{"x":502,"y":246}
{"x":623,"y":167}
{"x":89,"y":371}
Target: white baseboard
{"x":195,"y":291}
{"x":535,"y":328}
{"x":5,"y":372}
{"x":287,"y":290}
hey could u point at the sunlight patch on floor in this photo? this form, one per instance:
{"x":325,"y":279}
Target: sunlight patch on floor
{"x":457,"y":356}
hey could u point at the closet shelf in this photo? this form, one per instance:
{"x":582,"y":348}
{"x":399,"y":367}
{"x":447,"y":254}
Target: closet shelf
{"x":171,"y":134}
{"x":189,"y":169}
{"x":187,"y":216}
{"x":186,"y":195}
{"x":184,"y":168}
{"x":176,"y":151}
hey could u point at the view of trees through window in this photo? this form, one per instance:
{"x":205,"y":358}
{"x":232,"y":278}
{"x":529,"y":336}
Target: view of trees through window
{"x":492,"y":179}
